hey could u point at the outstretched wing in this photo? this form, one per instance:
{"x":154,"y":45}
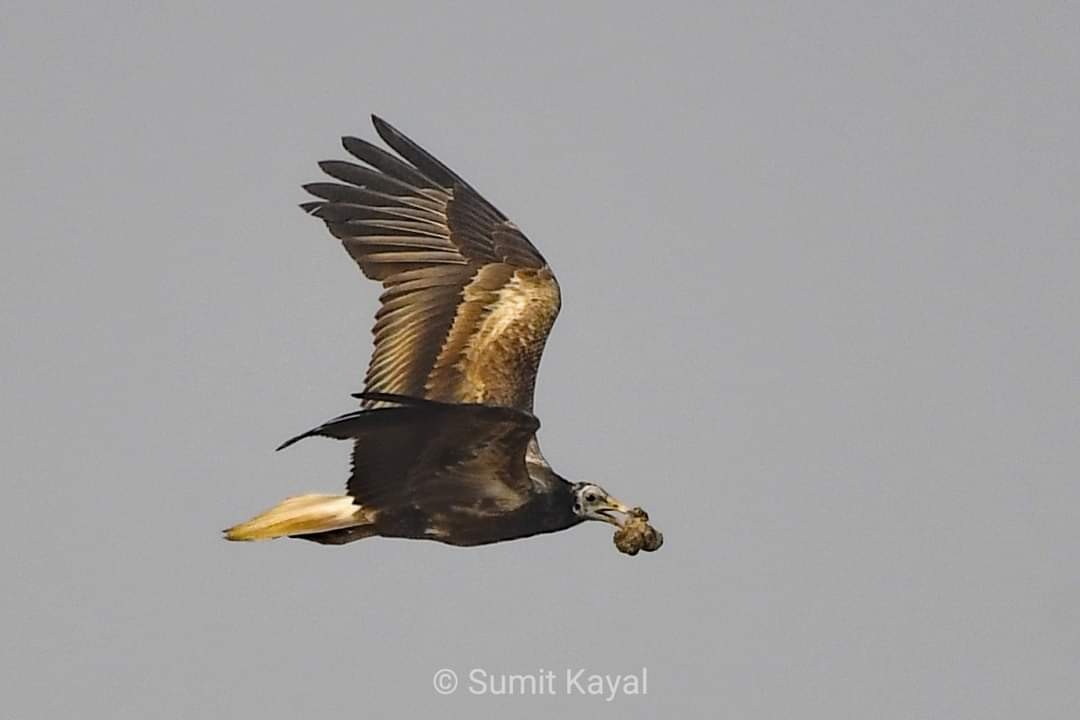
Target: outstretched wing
{"x":469,"y":301}
{"x":435,"y":456}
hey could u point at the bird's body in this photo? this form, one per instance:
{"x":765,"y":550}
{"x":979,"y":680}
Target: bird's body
{"x":445,"y":441}
{"x":541,"y":513}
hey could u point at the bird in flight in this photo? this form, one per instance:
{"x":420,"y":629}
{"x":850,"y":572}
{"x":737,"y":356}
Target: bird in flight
{"x":444,"y":442}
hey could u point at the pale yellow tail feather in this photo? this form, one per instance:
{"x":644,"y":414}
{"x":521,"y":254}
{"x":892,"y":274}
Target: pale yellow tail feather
{"x":300,"y":515}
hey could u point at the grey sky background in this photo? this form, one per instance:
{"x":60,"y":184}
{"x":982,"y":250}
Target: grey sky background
{"x":819,"y":270}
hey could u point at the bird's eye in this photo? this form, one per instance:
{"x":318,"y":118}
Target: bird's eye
{"x":590,"y":497}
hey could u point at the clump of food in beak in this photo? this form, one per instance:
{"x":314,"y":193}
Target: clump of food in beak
{"x":637,"y":534}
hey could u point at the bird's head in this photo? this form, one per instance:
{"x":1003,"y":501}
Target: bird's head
{"x":592,"y":502}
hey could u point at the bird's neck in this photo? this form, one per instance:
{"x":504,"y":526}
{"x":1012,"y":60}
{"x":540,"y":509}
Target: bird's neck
{"x":553,"y":499}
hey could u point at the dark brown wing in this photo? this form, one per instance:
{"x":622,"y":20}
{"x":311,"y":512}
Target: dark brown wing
{"x":434,"y":456}
{"x":469,"y":301}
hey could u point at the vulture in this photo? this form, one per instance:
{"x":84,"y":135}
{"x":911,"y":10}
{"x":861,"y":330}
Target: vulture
{"x":444,"y":440}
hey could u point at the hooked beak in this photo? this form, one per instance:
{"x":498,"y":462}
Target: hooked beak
{"x":612,"y":511}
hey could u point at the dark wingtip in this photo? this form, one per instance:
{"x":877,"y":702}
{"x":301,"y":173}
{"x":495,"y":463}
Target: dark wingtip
{"x":291,"y":441}
{"x":348,"y":142}
{"x":385,"y":130}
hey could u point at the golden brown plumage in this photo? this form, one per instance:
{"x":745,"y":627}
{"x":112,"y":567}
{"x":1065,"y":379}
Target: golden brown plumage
{"x":469,"y":301}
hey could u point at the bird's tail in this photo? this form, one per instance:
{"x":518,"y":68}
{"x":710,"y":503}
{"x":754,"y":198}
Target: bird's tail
{"x":301,"y":515}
